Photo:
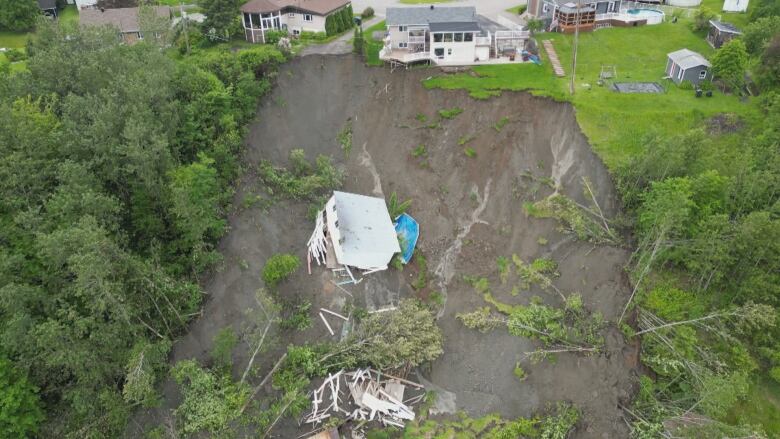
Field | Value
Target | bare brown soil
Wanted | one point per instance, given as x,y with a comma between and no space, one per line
470,212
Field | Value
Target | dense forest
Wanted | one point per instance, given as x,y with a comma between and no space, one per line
705,208
118,162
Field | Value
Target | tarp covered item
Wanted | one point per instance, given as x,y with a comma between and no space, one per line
408,231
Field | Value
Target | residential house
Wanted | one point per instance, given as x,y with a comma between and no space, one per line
294,16
353,231
545,10
123,19
444,35
687,65
48,7
720,33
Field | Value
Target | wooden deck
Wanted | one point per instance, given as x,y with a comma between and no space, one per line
556,63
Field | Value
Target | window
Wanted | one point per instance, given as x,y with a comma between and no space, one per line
544,8
437,38
401,28
449,51
307,17
403,45
296,32
140,36
291,15
336,224
246,20
458,37
448,38
468,37
702,74
439,53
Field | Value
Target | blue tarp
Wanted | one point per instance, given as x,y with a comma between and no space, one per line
408,230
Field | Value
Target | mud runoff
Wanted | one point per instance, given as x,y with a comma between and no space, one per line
469,207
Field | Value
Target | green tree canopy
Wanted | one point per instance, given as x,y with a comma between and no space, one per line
729,64
20,411
18,15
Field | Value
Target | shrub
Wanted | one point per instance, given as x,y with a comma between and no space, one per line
279,267
15,55
224,342
273,36
685,85
450,113
367,13
701,21
775,373
470,152
520,373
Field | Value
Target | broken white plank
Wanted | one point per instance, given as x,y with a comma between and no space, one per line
411,383
327,325
335,314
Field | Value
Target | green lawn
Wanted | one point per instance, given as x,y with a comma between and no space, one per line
519,9
738,19
761,407
69,15
613,122
373,46
13,39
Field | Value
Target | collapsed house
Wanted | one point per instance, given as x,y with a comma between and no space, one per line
369,395
353,232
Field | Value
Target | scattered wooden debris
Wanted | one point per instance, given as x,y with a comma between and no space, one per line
334,314
327,325
370,396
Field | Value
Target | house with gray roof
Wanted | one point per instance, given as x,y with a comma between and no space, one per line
446,35
721,33
687,65
125,20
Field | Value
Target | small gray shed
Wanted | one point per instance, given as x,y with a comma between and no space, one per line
687,65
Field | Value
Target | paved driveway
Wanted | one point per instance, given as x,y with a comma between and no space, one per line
340,45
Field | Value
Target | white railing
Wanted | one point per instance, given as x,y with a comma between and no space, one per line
610,16
416,39
405,57
513,34
483,41
416,56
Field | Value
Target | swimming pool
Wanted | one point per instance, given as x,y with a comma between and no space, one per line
652,16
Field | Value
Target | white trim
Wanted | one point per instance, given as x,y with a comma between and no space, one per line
310,17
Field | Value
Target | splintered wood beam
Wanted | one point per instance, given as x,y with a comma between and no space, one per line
327,325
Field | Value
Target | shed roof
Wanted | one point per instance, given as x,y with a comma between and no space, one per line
458,26
687,59
319,7
725,27
368,238
433,14
47,4
126,19
735,5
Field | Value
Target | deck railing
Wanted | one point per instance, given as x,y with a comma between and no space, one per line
512,35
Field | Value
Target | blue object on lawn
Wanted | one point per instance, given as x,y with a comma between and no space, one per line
408,231
535,59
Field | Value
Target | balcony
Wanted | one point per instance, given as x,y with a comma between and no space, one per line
415,39
403,56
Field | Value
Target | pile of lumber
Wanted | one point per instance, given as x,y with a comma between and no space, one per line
369,395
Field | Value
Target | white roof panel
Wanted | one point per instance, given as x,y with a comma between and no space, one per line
367,236
735,5
687,58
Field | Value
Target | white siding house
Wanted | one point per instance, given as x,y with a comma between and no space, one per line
445,36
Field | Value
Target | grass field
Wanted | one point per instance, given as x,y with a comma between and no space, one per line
14,40
761,407
738,19
373,46
614,123
517,9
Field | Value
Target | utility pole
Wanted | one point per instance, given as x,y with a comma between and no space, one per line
184,23
577,18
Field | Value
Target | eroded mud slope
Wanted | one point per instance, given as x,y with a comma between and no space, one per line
469,207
